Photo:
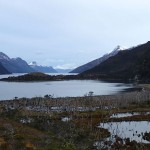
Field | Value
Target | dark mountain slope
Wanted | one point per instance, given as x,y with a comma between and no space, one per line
96,62
3,70
15,65
21,66
125,65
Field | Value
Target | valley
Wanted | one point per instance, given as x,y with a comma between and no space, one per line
74,75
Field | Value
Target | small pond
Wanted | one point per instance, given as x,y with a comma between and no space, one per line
134,130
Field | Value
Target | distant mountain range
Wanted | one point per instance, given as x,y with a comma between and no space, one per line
14,65
96,62
125,65
44,69
120,64
18,65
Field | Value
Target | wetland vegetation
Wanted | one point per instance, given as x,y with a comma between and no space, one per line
76,123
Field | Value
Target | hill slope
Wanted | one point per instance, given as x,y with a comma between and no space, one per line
3,70
125,65
96,62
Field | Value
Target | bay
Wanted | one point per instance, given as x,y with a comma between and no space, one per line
70,88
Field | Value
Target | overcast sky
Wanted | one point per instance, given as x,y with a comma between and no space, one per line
69,33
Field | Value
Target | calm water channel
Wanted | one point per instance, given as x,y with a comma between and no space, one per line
9,90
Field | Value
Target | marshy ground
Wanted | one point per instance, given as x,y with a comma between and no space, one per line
75,123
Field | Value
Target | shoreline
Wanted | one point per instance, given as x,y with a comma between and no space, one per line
125,91
139,87
129,90
88,103
145,86
134,89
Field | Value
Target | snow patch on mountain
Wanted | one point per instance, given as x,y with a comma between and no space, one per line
118,48
39,68
96,62
4,56
33,63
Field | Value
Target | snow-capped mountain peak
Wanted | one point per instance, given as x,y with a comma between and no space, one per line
116,50
120,48
4,56
39,68
33,63
96,62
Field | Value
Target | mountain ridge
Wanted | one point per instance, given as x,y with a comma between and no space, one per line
44,69
125,65
96,62
15,65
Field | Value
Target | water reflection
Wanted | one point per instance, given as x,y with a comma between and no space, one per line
134,130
